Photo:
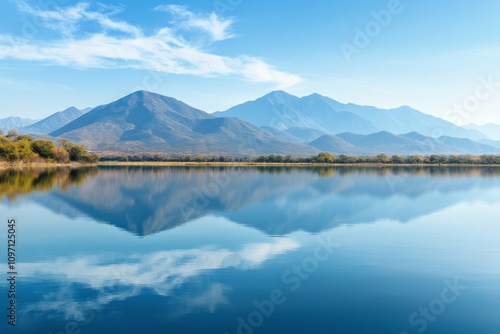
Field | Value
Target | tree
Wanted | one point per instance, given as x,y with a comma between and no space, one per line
59,154
12,134
43,148
23,149
382,158
324,157
396,159
24,137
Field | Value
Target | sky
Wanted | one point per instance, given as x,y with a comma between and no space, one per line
440,57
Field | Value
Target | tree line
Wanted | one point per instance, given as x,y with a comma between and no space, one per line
323,158
24,148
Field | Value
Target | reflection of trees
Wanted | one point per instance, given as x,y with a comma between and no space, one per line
14,182
421,170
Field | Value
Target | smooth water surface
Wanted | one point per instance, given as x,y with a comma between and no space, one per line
254,250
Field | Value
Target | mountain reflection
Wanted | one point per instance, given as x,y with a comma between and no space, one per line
147,200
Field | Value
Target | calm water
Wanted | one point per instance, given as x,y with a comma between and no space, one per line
246,250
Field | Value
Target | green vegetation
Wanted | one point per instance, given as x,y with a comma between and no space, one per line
15,148
321,158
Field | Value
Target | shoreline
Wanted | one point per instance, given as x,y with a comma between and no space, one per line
4,165
284,164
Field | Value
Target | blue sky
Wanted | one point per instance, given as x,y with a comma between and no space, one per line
440,57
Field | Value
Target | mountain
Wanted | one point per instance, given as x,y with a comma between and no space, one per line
14,123
467,146
283,111
490,142
54,121
306,134
383,142
405,119
148,122
491,130
336,145
414,143
282,134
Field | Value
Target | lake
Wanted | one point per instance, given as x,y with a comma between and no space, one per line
253,250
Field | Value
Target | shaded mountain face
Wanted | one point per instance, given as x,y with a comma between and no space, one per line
12,122
148,122
54,121
284,111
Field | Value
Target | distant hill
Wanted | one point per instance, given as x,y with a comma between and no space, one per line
283,111
148,122
491,130
306,134
54,121
13,122
414,143
337,145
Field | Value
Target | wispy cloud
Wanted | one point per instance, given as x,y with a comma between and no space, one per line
181,47
161,272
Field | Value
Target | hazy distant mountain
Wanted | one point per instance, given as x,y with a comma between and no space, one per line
467,146
148,122
14,123
414,143
283,111
337,145
490,142
491,130
282,134
54,121
405,119
306,134
382,142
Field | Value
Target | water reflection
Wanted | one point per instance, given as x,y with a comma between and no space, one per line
116,278
196,247
147,200
15,182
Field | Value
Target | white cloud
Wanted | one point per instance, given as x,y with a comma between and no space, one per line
162,272
180,48
217,28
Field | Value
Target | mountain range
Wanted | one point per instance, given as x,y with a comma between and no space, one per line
54,121
277,123
491,130
13,122
283,111
145,121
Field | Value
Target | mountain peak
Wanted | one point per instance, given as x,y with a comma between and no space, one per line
280,96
